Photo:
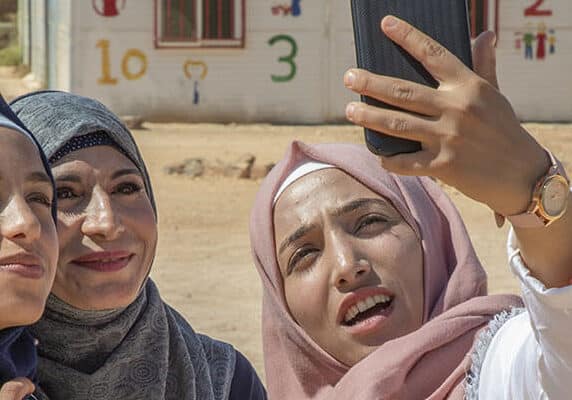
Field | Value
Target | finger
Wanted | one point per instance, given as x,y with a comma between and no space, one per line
395,123
417,164
16,389
484,57
400,93
436,59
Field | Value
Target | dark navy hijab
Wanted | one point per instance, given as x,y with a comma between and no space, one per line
17,348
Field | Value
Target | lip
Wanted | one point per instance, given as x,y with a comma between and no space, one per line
358,295
104,261
24,264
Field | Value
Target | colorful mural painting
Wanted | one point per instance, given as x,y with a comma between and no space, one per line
108,8
294,9
536,41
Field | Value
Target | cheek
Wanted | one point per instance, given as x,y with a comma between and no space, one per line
140,220
307,298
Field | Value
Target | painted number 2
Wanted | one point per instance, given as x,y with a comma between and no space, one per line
289,59
535,11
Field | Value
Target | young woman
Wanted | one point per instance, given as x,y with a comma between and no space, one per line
372,289
106,332
28,249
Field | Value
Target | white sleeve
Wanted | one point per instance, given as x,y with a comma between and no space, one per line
530,357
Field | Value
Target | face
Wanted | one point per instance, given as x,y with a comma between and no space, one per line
28,241
352,267
106,226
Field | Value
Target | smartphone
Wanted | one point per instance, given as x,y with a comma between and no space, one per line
446,21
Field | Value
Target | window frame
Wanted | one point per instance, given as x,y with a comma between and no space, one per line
198,41
488,6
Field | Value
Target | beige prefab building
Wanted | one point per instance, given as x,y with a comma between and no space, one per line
263,60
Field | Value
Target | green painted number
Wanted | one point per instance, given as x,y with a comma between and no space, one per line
289,59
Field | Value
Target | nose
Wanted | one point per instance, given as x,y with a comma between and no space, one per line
349,268
18,221
101,221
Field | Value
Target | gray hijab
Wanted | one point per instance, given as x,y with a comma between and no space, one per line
144,351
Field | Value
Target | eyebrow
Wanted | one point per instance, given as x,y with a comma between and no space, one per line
125,171
68,178
38,176
345,209
301,231
359,203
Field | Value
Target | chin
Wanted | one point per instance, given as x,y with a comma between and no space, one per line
101,297
29,310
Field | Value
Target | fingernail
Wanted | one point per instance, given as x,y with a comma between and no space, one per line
493,40
350,109
389,22
349,79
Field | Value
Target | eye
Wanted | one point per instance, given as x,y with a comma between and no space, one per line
370,222
301,259
65,193
127,188
40,198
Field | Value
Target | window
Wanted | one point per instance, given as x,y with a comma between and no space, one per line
199,23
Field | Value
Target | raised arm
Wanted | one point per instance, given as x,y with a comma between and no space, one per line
471,139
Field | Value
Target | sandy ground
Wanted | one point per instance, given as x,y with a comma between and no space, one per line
203,266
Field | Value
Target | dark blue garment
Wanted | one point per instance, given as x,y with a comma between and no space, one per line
17,354
245,383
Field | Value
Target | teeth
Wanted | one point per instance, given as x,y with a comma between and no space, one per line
365,305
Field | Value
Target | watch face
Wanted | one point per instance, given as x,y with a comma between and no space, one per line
555,196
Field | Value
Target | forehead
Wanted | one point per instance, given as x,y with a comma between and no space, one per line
321,191
103,159
18,151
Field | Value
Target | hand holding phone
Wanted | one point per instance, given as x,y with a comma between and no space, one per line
446,21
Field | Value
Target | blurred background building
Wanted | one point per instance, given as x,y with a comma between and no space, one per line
263,60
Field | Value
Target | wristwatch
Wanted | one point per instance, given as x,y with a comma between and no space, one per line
549,198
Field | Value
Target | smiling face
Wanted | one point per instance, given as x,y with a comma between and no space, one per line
352,267
28,239
106,226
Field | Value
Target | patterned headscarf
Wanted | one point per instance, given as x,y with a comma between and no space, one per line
144,351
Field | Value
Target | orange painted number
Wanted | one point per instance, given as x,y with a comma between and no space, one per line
105,78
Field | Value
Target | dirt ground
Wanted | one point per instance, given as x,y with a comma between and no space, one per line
203,266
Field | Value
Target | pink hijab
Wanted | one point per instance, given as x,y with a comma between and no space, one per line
428,363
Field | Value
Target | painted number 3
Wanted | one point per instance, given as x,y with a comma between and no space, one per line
289,59
535,11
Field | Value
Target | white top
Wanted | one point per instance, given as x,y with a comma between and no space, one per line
530,357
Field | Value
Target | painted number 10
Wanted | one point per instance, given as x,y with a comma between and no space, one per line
535,11
129,71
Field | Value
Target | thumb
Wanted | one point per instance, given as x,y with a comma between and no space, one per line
484,57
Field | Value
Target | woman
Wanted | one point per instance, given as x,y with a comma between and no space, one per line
28,249
106,333
372,289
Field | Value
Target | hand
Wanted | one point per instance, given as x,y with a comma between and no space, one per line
470,136
16,389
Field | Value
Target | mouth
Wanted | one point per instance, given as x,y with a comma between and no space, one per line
24,264
365,309
108,261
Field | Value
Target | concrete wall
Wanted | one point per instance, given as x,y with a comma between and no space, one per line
238,83
114,58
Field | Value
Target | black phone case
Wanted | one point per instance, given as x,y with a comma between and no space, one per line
446,21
